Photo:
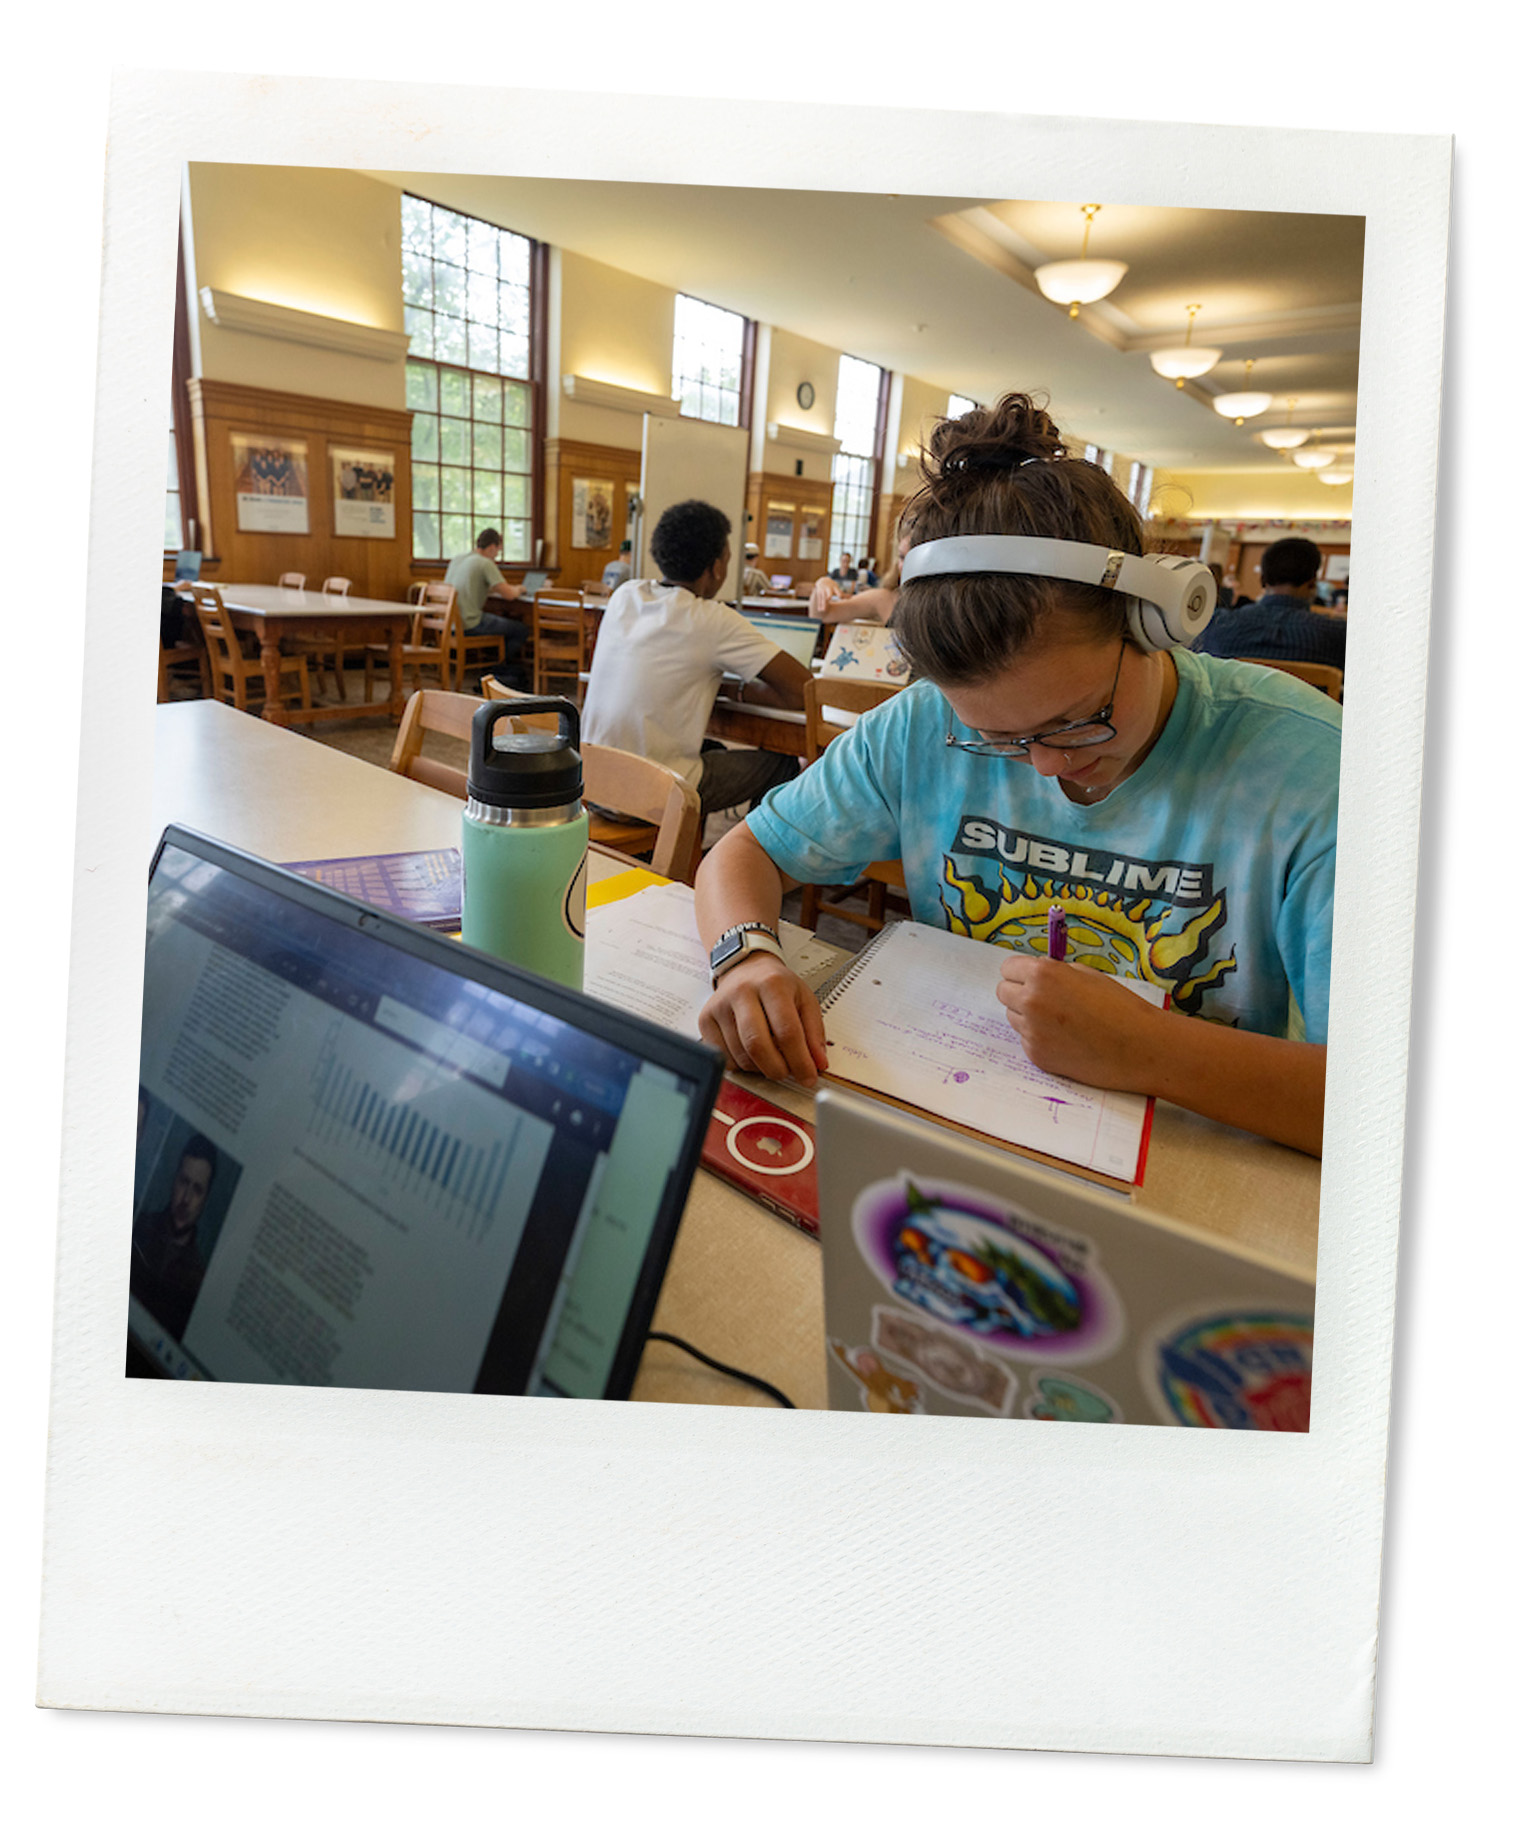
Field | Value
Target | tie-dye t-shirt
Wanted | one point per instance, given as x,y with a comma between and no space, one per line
1209,870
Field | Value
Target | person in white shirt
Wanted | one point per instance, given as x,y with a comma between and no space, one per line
754,582
660,655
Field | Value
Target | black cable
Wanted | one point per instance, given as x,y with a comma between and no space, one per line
756,1382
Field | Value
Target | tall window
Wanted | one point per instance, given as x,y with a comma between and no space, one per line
173,519
709,348
959,403
1140,487
469,380
860,398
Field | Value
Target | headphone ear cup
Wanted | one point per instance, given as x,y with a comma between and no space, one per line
1146,625
1187,619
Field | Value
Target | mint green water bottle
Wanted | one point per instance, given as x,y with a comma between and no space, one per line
525,834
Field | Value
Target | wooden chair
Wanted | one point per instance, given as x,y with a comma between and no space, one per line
879,878
637,806
324,650
175,661
414,592
426,644
560,645
230,668
1324,678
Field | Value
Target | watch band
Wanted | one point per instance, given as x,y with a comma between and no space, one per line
740,941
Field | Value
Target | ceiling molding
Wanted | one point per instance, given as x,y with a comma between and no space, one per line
964,231
257,317
584,390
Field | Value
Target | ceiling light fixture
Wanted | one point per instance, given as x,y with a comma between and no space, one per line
1184,363
1316,457
1238,406
1335,477
1285,436
1081,281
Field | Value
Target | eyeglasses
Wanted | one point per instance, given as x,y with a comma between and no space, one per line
1089,732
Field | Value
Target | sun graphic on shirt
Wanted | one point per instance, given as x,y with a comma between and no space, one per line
1122,935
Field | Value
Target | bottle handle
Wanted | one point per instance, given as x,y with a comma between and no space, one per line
488,714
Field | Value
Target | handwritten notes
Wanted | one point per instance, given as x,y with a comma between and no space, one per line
917,1019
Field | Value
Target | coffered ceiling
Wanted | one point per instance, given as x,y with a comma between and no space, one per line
942,288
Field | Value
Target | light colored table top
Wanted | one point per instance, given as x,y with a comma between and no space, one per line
304,605
742,1284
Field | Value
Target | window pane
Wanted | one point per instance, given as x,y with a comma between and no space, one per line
457,534
426,536
173,533
418,326
455,393
451,288
417,271
421,388
416,225
486,496
516,498
483,346
455,491
517,451
455,440
487,446
482,241
487,398
515,355
450,236
483,299
516,534
518,405
452,339
424,437
426,486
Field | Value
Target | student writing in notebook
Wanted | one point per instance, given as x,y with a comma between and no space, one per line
1063,744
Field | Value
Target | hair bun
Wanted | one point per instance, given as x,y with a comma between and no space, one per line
1014,431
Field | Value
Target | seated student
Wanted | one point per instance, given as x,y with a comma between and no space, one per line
619,569
754,582
477,578
660,655
1183,811
1281,624
876,603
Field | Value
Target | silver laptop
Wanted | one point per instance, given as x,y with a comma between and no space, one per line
799,635
959,1280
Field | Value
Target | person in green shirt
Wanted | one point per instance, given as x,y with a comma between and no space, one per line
477,578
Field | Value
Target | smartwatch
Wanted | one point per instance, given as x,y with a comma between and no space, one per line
738,942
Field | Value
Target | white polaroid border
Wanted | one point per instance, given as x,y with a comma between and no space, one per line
302,1553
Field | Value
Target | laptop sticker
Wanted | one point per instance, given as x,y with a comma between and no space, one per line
1016,1283
1069,1398
949,1363
881,1390
1244,1368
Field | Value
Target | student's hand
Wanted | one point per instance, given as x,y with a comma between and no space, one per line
766,1020
822,592
1079,1023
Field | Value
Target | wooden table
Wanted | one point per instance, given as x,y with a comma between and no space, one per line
272,612
779,731
742,1284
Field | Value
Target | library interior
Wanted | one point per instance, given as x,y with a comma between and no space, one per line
864,1000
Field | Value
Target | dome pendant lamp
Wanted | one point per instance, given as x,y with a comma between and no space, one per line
1184,363
1239,406
1081,281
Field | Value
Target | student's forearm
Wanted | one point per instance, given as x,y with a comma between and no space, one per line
1271,1087
737,882
769,697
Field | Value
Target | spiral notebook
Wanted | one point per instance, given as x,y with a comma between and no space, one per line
913,1020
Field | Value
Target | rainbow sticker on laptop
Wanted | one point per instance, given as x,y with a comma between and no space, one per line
1242,1368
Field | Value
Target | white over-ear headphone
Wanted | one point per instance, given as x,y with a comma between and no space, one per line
1174,597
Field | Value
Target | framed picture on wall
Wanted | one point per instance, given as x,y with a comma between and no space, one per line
271,476
594,505
812,534
778,531
363,493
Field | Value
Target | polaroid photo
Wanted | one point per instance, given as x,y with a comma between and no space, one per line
417,1554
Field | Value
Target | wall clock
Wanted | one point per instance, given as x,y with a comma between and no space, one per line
805,395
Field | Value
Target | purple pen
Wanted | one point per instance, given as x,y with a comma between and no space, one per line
1058,936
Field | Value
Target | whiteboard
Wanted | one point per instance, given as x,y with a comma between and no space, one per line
686,459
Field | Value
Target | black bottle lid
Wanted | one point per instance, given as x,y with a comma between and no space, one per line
532,770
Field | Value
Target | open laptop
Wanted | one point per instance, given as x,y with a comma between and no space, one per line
187,567
369,1156
799,635
959,1280
533,581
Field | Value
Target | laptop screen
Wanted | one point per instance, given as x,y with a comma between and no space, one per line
797,634
367,1157
533,581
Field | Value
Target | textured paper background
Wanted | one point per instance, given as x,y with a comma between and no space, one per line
830,1634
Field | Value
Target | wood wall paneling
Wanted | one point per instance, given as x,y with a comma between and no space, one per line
564,459
380,568
799,492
